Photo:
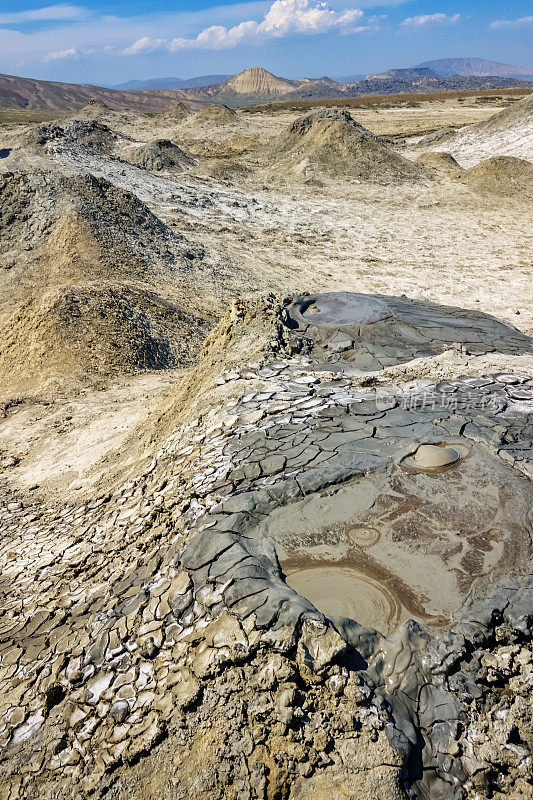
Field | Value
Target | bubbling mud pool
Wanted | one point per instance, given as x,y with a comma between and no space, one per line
410,544
338,308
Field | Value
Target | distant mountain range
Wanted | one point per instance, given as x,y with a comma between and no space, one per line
256,85
36,95
443,67
446,67
350,78
173,83
250,86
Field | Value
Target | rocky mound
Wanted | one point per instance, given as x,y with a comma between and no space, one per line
177,113
441,163
87,133
89,331
94,109
110,228
503,176
330,142
126,121
214,114
98,286
162,156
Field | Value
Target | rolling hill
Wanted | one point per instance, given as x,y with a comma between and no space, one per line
256,85
37,95
249,87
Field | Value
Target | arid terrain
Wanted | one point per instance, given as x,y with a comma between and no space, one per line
229,568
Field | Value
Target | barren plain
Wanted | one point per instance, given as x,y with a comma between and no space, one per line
230,569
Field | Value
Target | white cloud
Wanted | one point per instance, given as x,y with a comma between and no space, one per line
145,45
46,14
61,54
301,16
431,19
283,18
512,23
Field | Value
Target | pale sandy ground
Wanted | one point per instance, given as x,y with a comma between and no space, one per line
436,240
59,441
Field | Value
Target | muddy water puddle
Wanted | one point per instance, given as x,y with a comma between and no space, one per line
407,545
345,591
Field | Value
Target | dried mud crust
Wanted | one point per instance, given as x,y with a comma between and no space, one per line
372,332
151,645
150,641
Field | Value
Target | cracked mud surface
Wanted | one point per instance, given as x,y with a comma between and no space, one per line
126,617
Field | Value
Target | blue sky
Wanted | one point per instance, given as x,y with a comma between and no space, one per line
111,41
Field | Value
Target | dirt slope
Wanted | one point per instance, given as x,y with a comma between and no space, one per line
39,95
101,286
508,133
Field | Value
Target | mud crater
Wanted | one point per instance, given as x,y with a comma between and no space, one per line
414,544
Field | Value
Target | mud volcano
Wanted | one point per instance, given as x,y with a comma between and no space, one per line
365,333
328,142
161,156
402,519
382,508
